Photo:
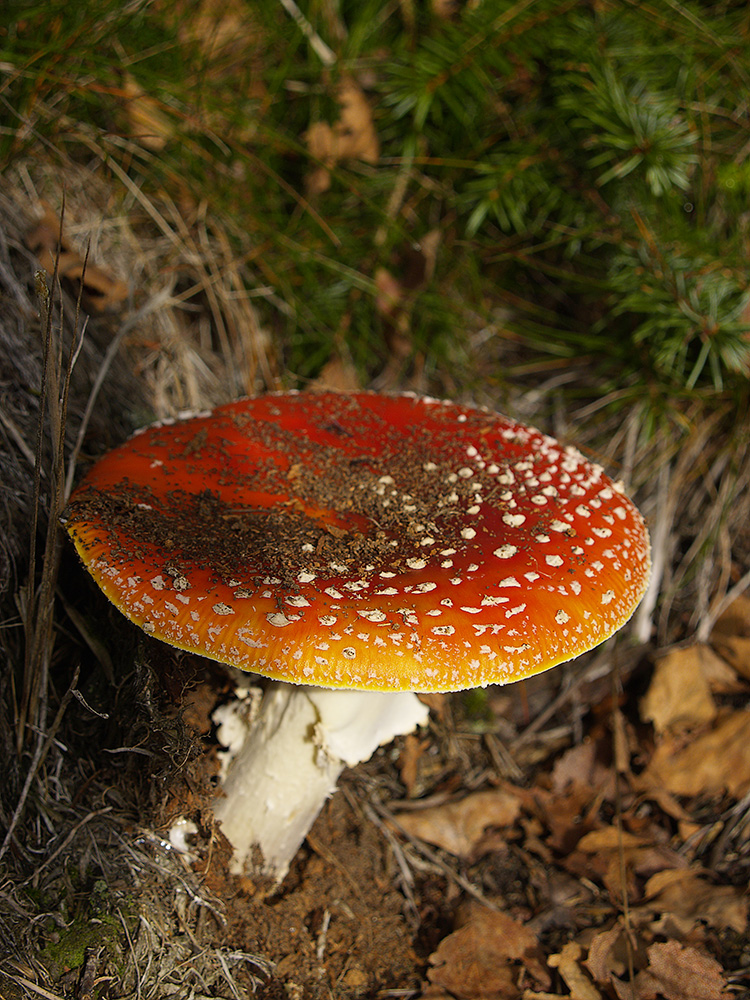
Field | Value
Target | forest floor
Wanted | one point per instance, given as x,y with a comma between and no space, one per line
584,834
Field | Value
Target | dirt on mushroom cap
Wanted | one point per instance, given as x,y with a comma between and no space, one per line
392,543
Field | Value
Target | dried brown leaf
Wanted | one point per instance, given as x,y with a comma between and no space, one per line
487,957
607,955
338,374
579,766
690,897
149,126
352,137
735,650
568,964
679,694
101,292
607,852
682,973
408,761
713,763
735,619
458,827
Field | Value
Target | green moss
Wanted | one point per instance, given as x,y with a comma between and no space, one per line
69,949
477,711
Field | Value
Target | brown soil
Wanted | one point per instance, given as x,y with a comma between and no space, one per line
337,924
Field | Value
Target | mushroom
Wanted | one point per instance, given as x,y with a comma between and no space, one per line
356,549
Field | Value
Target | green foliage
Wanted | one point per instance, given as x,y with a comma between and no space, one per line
585,164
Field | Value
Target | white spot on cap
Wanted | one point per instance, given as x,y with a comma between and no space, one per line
373,615
443,630
506,551
297,601
608,597
223,609
278,619
158,583
305,577
561,617
349,652
559,526
424,588
416,563
327,619
553,560
514,520
468,533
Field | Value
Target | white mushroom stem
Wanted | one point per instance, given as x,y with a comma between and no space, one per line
291,758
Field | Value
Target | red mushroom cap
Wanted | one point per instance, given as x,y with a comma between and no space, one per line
364,541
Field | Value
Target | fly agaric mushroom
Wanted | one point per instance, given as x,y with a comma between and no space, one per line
383,545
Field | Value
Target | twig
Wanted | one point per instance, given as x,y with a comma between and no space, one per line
326,55
407,879
622,866
597,668
434,858
154,303
68,840
709,620
228,975
28,985
18,439
39,604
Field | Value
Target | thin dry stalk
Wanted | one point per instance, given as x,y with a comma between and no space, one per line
38,603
